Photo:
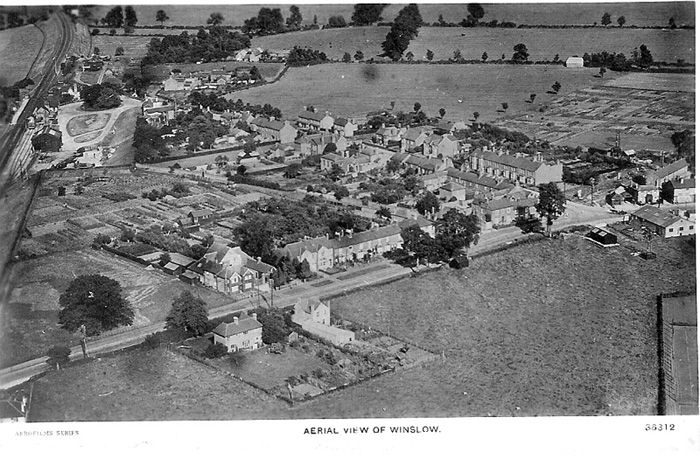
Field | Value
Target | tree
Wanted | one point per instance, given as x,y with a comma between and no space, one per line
119,51
221,161
127,234
189,314
556,86
161,16
130,19
457,55
359,55
551,204
520,54
58,355
346,57
215,19
667,192
409,56
456,232
442,112
215,351
164,259
484,57
416,107
337,22
335,172
475,10
602,71
504,105
556,58
383,212
367,13
96,51
403,30
532,97
605,20
292,170
645,59
672,23
684,141
294,19
476,116
621,21
114,18
94,301
429,55
240,170
428,204
419,243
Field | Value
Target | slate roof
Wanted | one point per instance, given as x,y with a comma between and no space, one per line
670,169
484,181
430,164
231,329
307,115
309,305
451,186
264,122
509,160
656,216
200,213
181,259
413,133
258,266
685,183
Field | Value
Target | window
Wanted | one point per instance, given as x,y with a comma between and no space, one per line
690,227
670,230
680,229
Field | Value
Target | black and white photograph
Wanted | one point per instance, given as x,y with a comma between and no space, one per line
365,228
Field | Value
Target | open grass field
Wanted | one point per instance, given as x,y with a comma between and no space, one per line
653,14
147,386
18,49
353,90
79,125
542,44
29,325
135,47
561,327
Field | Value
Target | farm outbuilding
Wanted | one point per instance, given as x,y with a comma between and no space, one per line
602,237
49,139
574,62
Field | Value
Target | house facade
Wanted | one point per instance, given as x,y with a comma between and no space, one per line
315,121
274,131
674,171
244,333
441,146
229,270
662,222
518,169
683,190
314,317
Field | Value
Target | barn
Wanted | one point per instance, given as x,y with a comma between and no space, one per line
574,62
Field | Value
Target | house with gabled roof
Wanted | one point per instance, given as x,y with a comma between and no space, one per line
315,121
413,138
387,134
683,190
662,222
315,317
344,127
274,130
441,146
244,333
48,139
516,168
482,183
674,171
230,270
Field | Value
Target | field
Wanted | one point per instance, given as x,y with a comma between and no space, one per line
18,48
653,14
536,330
134,386
542,44
353,90
38,284
135,47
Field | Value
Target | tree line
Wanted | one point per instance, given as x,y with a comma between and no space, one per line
216,43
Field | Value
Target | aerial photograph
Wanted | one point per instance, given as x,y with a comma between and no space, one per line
347,211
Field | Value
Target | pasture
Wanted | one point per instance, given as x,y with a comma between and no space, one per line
353,90
135,47
640,14
87,123
18,49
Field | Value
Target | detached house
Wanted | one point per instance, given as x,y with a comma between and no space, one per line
315,317
414,138
244,333
344,127
441,146
387,134
230,270
674,171
683,190
662,222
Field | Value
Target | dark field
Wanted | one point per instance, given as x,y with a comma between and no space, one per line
560,327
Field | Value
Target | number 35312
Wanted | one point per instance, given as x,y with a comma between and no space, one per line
659,427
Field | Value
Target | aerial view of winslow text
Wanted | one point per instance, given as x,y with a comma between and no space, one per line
347,211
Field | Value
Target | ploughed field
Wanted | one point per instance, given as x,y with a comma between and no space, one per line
558,327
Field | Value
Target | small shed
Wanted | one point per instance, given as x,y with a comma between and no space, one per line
602,237
574,62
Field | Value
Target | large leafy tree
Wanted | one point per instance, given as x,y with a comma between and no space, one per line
456,232
269,21
114,18
162,16
215,19
606,20
188,313
551,204
684,141
367,13
521,54
428,203
475,10
95,301
130,19
403,30
294,19
420,245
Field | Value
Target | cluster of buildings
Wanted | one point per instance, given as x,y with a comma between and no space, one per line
211,80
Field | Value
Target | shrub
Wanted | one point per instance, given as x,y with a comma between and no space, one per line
95,31
214,351
151,342
58,355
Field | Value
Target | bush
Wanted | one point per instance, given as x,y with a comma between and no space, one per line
58,355
95,32
151,342
214,351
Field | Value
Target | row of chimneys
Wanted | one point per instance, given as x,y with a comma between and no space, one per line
253,315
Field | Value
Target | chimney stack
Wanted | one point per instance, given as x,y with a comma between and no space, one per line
235,321
255,316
